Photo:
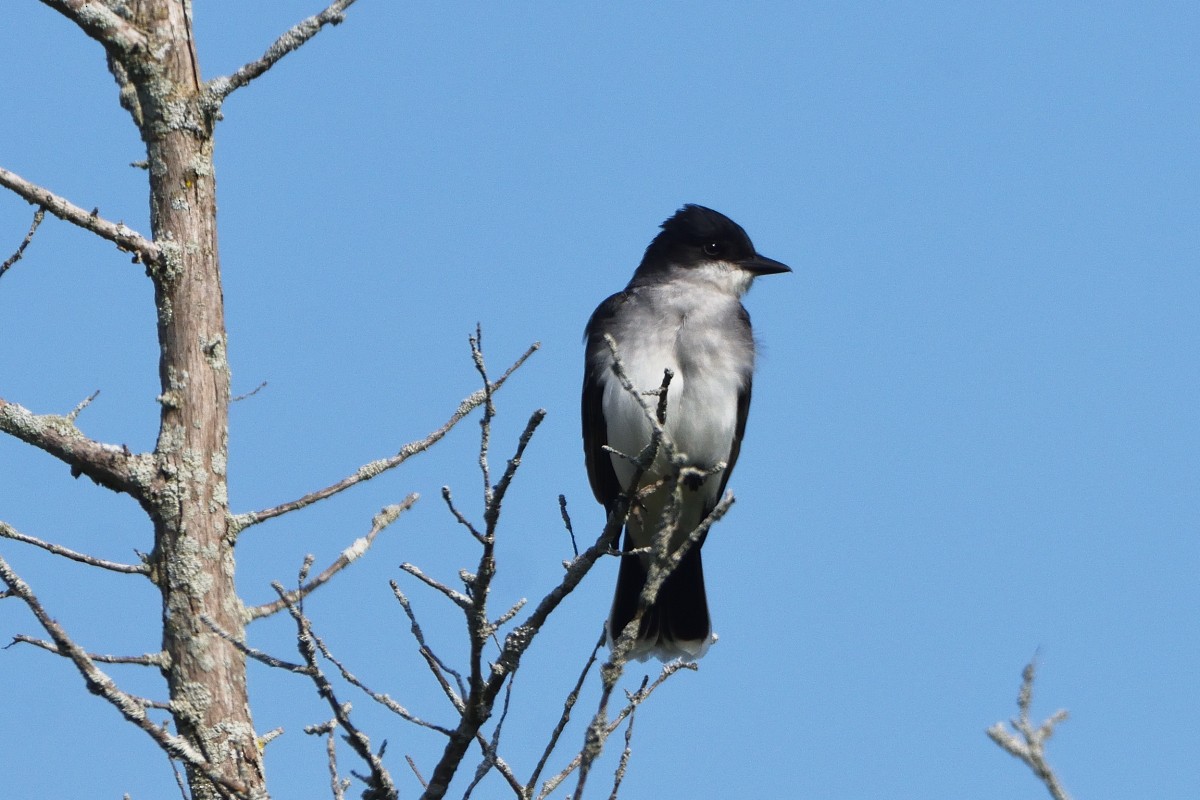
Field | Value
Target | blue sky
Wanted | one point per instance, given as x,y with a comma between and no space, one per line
974,432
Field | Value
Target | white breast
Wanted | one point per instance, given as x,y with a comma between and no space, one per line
696,331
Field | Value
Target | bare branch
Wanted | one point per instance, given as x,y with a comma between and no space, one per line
565,717
102,23
360,546
641,696
258,655
380,783
492,513
158,659
219,88
562,507
420,778
438,667
118,233
383,699
8,532
458,598
84,403
250,393
107,464
98,683
38,216
623,763
1028,743
458,515
376,468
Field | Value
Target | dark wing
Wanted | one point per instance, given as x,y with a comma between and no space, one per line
603,478
743,411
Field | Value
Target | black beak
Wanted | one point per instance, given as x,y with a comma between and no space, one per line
761,265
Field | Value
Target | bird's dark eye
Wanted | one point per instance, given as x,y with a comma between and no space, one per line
712,248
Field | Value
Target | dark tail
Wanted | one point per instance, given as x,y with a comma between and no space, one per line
677,625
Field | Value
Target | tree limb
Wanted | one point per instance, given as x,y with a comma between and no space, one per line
218,89
107,464
1028,743
242,521
9,532
360,546
158,659
118,233
103,24
98,683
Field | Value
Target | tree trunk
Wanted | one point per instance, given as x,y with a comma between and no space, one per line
193,561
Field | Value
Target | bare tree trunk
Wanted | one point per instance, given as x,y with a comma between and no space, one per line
193,561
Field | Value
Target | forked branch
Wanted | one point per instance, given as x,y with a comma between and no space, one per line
1027,742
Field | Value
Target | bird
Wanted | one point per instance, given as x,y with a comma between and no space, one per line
681,311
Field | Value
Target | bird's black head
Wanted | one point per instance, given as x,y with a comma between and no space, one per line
696,236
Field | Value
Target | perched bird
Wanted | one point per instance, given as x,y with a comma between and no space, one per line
681,311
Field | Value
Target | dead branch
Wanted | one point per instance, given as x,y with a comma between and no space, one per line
218,89
436,666
38,216
131,708
158,659
1027,742
565,717
360,546
8,532
242,521
109,465
99,21
337,784
124,237
639,697
379,783
383,699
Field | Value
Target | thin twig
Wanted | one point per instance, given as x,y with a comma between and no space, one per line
562,507
376,468
337,784
459,516
383,699
420,778
438,667
637,699
489,411
99,683
1028,743
159,659
492,513
360,546
458,598
250,393
8,532
250,652
118,233
74,413
379,783
38,216
623,762
220,88
565,717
